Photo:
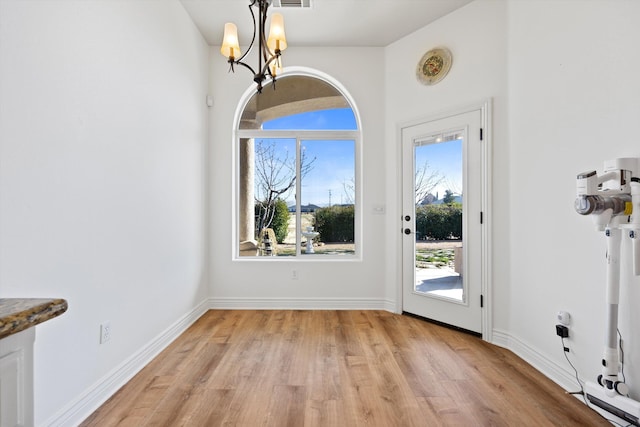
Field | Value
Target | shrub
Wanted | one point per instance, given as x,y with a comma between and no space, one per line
335,223
439,222
280,221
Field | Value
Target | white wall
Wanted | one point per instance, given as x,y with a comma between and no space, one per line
102,138
564,81
320,284
102,182
476,36
573,102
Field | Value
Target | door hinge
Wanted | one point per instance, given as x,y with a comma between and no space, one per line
481,218
481,301
481,134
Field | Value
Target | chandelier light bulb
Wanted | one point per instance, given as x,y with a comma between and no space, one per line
276,67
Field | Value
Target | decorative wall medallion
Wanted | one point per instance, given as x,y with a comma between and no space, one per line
433,66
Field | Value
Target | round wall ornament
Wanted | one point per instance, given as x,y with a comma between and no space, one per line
433,66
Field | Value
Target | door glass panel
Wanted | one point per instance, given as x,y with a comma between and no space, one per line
438,216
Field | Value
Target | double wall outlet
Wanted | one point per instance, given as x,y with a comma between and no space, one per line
105,332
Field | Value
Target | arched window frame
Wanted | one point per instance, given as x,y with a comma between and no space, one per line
355,135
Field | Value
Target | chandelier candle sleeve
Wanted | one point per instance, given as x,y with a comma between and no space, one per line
277,39
230,46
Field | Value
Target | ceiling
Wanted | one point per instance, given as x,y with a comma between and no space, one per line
327,22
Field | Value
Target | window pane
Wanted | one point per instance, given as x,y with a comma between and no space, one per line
327,197
267,183
333,119
293,94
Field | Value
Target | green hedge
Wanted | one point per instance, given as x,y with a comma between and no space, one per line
335,223
280,222
439,222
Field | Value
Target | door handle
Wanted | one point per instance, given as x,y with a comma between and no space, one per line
407,231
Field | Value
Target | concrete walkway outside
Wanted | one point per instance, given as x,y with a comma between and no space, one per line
439,281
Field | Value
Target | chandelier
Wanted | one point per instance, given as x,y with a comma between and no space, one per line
269,49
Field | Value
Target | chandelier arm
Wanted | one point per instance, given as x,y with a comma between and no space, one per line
253,38
262,43
244,65
266,51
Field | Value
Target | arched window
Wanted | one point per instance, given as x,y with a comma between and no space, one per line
297,171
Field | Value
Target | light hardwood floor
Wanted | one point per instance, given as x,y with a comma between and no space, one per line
336,368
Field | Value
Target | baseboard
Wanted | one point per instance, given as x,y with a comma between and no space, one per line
79,409
391,306
301,304
557,373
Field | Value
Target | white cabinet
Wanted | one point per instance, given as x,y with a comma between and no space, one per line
16,379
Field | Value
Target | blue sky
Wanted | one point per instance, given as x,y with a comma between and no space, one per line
333,119
444,158
334,163
334,166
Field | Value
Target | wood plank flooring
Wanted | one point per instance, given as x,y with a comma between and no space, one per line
336,368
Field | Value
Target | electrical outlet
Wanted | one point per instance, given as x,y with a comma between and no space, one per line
105,332
564,318
294,274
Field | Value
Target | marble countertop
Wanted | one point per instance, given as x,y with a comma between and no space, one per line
18,314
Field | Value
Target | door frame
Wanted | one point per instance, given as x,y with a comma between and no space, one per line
486,278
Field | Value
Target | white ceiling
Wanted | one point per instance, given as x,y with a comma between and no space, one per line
327,22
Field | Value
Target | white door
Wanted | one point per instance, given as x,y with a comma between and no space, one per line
442,220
